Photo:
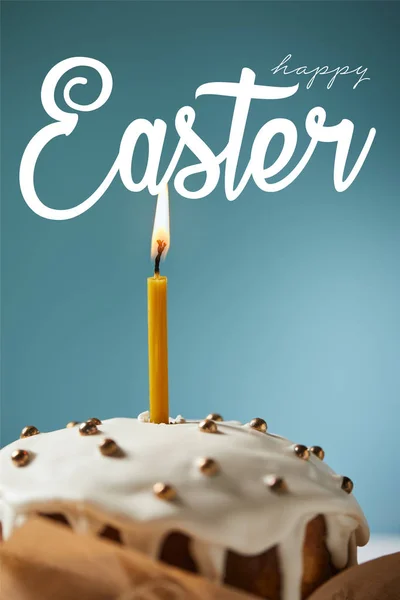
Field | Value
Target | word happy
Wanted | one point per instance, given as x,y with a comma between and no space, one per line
325,70
208,163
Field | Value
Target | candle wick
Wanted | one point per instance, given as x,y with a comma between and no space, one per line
161,247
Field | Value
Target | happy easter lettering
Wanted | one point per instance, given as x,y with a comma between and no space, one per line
208,163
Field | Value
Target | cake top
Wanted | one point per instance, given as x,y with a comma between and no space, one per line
232,485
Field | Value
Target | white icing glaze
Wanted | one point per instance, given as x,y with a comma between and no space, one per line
232,510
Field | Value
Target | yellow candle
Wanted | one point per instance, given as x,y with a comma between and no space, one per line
157,316
158,348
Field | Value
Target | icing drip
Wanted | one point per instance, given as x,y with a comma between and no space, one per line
291,560
8,521
84,524
218,558
80,524
339,530
352,550
20,520
210,559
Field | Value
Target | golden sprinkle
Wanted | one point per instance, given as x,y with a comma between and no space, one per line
317,450
20,458
72,424
276,484
214,417
302,451
88,428
347,485
109,448
94,420
208,466
164,491
29,431
258,424
208,426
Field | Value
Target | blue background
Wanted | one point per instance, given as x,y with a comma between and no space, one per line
284,306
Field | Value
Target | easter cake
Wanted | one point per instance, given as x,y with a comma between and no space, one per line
229,501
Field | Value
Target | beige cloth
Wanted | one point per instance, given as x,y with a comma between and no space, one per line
46,561
375,580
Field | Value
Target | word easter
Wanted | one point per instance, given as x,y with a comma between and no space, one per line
208,163
321,71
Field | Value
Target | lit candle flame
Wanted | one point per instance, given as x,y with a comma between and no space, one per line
161,225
